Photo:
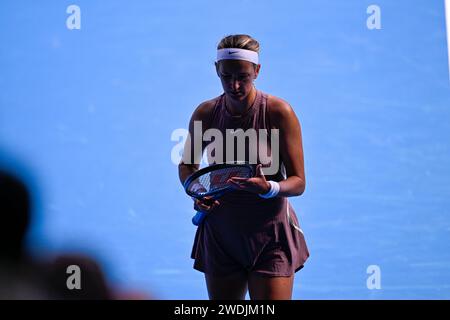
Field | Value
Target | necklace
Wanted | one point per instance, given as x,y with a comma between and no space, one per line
243,113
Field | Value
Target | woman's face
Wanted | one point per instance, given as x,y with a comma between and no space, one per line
237,77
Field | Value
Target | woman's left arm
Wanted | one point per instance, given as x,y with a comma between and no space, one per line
291,152
291,147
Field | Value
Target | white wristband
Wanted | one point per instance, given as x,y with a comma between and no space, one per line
273,192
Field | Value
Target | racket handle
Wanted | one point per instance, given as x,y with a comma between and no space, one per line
198,218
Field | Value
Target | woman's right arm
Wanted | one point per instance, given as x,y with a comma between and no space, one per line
192,156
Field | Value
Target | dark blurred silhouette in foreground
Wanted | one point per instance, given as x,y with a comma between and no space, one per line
24,277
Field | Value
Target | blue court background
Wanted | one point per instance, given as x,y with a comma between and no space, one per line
90,114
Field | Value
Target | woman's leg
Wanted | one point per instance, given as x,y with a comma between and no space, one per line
262,287
232,287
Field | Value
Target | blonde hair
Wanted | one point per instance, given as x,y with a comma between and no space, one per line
239,41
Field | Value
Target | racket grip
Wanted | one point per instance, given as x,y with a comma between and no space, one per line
198,218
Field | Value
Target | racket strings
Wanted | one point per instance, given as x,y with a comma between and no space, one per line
216,180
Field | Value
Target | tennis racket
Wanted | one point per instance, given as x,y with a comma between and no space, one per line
211,182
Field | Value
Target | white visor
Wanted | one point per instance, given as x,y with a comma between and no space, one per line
237,54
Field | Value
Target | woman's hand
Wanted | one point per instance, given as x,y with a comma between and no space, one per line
257,184
205,205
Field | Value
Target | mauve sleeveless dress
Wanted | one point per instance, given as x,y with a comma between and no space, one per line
246,232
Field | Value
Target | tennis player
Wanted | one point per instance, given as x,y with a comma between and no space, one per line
251,239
